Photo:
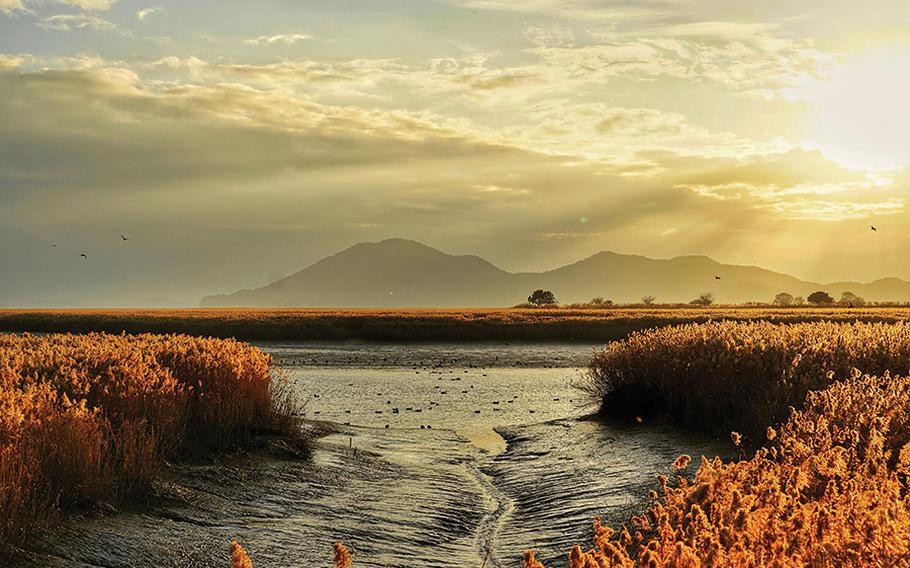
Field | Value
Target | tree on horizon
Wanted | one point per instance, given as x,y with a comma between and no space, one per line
542,298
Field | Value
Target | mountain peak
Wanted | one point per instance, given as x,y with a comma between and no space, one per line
398,272
393,244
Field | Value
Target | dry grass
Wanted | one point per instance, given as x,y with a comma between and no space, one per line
239,557
91,418
564,324
829,490
727,376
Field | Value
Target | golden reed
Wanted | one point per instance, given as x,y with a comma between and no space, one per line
741,376
85,418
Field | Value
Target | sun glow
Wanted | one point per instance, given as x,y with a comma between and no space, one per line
858,117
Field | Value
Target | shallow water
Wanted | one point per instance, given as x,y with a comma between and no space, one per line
505,461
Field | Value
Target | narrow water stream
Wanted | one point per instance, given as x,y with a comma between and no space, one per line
442,456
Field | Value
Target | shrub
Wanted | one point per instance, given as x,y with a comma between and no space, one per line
705,299
783,299
852,299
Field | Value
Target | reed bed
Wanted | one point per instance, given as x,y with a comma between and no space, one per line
91,418
741,376
553,324
830,489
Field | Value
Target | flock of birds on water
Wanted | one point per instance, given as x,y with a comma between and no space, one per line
438,368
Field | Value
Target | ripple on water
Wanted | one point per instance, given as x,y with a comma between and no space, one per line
563,473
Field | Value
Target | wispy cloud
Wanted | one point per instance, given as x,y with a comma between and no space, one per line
741,58
12,7
549,36
287,39
9,61
589,10
69,22
91,5
145,13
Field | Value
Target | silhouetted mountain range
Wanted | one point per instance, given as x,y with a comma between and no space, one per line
402,273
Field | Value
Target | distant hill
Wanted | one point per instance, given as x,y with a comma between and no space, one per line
399,273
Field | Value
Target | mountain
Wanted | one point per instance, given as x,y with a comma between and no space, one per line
401,273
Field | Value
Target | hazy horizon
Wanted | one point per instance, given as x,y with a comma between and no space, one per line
234,142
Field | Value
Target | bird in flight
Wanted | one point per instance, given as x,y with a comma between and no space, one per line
717,277
873,228
124,238
84,257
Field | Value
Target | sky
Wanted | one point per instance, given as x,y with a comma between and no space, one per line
235,142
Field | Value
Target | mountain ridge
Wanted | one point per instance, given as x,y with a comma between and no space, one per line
406,273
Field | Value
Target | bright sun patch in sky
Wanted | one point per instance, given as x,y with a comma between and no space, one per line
860,116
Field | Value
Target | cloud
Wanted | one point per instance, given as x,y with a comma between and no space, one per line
146,12
69,22
286,39
588,10
556,127
91,5
12,7
759,63
717,30
797,184
9,61
548,36
625,136
198,129
281,74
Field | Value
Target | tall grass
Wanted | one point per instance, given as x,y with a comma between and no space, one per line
830,489
91,418
741,376
240,559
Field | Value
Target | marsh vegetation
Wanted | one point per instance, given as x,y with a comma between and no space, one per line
90,419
